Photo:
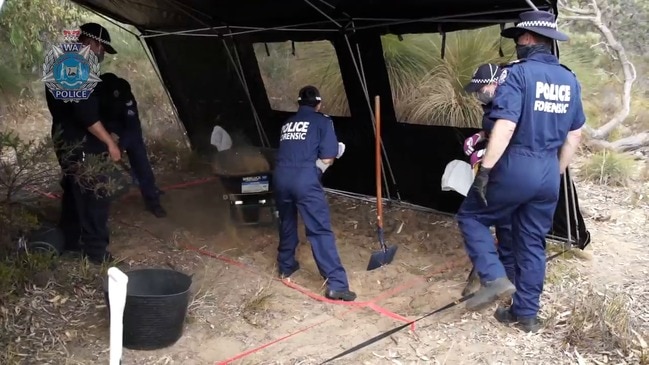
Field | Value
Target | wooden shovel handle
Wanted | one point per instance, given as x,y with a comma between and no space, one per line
377,152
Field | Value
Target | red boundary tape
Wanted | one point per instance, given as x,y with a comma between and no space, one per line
354,306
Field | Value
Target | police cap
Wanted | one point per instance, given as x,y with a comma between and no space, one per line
309,95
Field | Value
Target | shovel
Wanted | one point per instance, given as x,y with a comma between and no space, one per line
386,254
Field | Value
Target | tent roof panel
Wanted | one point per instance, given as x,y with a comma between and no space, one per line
384,16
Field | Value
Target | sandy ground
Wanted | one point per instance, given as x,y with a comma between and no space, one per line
235,308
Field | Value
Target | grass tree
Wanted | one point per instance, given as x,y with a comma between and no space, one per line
426,88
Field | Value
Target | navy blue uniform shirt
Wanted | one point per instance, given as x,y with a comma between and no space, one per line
74,119
305,137
119,111
487,122
543,98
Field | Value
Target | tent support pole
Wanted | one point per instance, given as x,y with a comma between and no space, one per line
363,81
565,192
361,76
239,69
575,213
179,123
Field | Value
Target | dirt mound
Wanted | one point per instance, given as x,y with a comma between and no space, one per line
240,161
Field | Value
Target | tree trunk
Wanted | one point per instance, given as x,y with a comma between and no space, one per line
595,16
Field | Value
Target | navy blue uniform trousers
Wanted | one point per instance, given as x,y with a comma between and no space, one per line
84,214
141,169
506,249
524,187
298,189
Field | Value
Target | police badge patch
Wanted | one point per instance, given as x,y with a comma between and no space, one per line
71,70
503,77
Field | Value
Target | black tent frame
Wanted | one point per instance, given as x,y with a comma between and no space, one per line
354,28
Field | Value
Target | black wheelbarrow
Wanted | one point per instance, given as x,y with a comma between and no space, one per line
247,188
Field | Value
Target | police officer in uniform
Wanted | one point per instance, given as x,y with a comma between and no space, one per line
119,111
307,147
77,132
539,115
483,85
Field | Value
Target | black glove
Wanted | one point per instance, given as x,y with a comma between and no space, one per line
480,183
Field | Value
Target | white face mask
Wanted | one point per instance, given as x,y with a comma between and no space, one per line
485,96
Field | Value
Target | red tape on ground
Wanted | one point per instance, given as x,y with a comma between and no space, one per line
302,290
371,304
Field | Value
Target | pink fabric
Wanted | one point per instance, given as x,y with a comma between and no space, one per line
471,142
476,157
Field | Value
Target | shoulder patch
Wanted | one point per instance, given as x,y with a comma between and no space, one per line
515,62
503,77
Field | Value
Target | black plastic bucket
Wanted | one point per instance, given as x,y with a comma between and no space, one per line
156,307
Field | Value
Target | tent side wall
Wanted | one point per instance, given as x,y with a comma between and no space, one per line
207,91
201,76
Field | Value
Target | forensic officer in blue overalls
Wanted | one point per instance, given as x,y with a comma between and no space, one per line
307,147
539,115
120,113
483,85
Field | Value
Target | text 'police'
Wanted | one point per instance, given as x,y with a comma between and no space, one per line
294,131
556,98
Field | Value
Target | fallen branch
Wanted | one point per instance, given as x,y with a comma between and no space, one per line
628,144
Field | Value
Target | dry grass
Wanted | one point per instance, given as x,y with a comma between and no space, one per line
609,168
39,324
600,326
205,302
256,305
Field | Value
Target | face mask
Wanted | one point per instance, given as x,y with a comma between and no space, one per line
100,57
485,97
524,51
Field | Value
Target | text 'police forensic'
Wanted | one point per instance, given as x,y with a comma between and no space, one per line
552,98
294,131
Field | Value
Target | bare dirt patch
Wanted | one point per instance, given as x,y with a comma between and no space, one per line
240,307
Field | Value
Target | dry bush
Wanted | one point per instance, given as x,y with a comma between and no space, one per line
609,168
605,322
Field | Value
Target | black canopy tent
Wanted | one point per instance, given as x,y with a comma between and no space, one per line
204,53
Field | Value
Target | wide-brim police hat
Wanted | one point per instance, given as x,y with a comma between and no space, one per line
98,33
539,22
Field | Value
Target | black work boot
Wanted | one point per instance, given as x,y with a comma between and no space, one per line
286,275
344,295
473,283
489,292
504,315
157,210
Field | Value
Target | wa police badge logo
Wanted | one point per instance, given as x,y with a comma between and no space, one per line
71,70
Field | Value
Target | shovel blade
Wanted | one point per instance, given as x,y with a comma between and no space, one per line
381,257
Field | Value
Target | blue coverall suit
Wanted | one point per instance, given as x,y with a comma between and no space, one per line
123,119
543,98
503,228
305,137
